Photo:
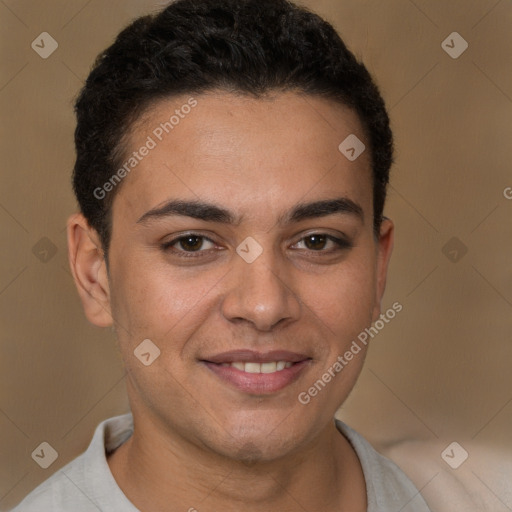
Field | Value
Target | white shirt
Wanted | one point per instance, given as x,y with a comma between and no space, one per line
87,485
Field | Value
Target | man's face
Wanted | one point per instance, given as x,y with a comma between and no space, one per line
301,302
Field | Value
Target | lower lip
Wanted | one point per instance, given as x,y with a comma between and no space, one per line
258,383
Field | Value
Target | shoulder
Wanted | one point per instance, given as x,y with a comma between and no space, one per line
58,493
387,486
86,483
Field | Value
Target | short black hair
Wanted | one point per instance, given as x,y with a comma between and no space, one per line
251,47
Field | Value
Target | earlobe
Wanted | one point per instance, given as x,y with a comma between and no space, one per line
89,270
384,250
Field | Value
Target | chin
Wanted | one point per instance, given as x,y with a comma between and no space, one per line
255,452
252,445
251,453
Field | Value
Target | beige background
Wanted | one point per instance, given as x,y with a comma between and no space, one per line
439,372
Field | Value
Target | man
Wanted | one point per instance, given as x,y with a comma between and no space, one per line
232,163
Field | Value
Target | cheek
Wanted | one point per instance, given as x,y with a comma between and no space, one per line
157,302
343,298
161,303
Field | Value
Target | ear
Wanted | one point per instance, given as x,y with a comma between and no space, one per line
384,250
88,266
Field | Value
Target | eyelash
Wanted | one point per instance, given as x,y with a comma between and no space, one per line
167,246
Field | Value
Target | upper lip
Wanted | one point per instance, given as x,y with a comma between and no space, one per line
252,356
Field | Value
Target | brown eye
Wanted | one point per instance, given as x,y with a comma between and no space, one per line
188,244
191,243
315,242
323,243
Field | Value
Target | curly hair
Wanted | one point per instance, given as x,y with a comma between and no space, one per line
248,47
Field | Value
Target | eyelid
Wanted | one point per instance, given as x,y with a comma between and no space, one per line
175,240
341,242
337,235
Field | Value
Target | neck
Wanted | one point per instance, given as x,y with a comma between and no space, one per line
161,474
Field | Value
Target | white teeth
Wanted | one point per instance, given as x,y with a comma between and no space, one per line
268,367
252,368
272,367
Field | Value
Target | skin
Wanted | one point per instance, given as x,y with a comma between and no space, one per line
198,441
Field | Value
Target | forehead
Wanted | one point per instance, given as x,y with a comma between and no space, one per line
246,153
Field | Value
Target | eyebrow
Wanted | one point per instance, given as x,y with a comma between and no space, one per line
209,212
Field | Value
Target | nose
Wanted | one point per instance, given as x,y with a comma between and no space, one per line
259,294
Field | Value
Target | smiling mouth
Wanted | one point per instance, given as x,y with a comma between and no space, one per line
271,367
258,373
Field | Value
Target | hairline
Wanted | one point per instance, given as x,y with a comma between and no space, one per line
140,114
